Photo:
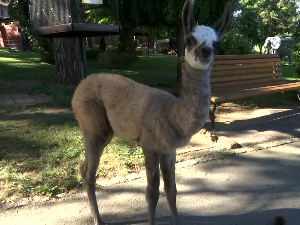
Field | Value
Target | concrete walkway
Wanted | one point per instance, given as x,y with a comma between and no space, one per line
23,99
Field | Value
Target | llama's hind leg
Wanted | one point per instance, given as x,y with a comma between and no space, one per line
97,133
152,191
167,166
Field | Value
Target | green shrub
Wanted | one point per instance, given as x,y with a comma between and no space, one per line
139,52
92,53
111,48
115,60
296,57
235,44
285,50
44,47
164,51
102,44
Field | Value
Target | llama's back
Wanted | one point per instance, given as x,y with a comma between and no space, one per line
126,102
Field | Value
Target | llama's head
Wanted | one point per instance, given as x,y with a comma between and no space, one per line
202,41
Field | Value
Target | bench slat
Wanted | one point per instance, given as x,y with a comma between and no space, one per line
244,82
248,56
254,92
245,61
241,72
245,86
244,66
244,77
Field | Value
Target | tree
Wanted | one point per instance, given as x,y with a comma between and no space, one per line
63,51
157,14
67,54
260,19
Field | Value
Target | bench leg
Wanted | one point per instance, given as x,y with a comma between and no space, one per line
212,115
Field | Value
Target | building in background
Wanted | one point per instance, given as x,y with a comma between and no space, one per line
9,31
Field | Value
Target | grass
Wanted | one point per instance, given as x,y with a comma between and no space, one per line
23,72
42,148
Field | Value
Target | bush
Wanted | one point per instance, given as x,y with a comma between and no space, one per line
44,47
285,50
139,52
164,51
235,44
92,54
102,44
115,60
296,57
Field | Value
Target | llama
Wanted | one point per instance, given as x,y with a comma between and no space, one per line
271,43
110,104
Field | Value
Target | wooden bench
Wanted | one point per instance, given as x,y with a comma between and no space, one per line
241,76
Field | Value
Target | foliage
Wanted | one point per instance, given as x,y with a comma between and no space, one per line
235,44
45,48
286,50
296,56
116,60
260,19
139,52
92,53
164,51
19,11
102,44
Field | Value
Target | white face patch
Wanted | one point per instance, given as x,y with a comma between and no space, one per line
202,34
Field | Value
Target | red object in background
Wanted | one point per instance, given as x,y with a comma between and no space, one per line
10,36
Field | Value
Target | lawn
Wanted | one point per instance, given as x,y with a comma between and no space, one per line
41,147
23,72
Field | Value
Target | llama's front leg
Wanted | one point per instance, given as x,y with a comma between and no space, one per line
167,166
152,191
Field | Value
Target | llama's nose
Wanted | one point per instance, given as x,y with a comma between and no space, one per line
206,52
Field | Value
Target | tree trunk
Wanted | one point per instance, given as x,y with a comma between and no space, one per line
260,48
180,51
129,40
67,52
67,60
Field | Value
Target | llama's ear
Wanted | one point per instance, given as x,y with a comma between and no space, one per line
224,21
188,16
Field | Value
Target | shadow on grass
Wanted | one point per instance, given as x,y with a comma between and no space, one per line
44,119
19,149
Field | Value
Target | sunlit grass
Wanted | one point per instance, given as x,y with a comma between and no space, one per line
41,151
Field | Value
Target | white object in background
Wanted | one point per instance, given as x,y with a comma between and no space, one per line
92,1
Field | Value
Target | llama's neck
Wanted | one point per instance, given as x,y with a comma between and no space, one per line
192,107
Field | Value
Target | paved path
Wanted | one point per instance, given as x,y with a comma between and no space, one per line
23,99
